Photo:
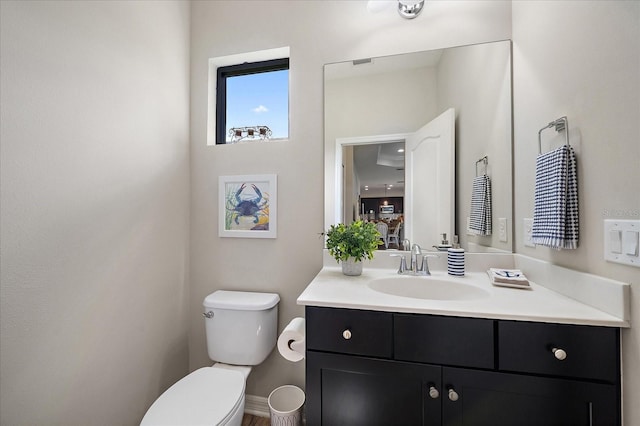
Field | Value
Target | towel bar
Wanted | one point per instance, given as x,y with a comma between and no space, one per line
560,124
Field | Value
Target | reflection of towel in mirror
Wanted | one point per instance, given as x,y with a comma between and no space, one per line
480,218
555,215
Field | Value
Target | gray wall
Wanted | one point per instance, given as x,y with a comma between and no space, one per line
573,58
94,219
317,32
94,175
582,60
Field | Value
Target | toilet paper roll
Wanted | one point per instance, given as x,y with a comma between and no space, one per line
291,342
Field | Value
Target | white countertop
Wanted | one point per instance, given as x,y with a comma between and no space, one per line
330,288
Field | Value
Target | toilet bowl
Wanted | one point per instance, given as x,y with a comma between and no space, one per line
208,396
241,331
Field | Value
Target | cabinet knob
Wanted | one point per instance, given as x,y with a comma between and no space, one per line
560,354
453,395
433,392
346,334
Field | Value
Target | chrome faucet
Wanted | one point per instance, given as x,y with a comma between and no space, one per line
418,265
416,252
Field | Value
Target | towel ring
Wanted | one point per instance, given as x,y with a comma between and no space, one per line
484,160
560,124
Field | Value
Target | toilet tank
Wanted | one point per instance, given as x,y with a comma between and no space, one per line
241,327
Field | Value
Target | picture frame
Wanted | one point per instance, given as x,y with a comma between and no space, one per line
248,206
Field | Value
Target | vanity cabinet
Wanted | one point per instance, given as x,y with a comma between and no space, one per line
381,368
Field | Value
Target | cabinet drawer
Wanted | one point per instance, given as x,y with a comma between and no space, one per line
588,352
349,331
465,342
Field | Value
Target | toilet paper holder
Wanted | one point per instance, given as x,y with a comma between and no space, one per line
291,342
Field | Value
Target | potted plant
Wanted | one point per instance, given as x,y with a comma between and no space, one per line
351,244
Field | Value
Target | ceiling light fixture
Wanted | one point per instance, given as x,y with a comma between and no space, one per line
408,9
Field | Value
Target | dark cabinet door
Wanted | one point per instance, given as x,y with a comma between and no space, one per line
346,390
484,398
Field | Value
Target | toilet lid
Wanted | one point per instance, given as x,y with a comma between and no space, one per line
205,397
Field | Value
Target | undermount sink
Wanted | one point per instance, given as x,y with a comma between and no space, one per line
424,287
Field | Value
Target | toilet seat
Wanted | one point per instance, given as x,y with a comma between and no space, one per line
208,396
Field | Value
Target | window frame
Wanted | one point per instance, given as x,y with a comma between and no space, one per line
224,72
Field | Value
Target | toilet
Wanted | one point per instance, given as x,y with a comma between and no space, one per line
241,331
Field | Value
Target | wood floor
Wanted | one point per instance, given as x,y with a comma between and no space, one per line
250,420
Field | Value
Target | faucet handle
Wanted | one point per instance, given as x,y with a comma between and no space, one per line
403,263
425,263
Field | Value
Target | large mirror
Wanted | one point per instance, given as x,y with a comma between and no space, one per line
449,113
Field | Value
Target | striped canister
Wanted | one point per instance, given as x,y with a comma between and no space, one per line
455,261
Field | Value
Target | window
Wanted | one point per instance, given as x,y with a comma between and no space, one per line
252,101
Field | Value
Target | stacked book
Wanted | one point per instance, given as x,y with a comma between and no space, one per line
508,278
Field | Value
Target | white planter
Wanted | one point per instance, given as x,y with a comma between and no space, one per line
351,267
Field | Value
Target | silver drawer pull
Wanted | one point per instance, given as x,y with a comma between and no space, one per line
453,395
346,334
560,354
433,392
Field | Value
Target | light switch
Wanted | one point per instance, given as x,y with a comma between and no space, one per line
615,241
528,230
630,243
622,241
502,229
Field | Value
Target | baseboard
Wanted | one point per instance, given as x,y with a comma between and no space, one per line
256,405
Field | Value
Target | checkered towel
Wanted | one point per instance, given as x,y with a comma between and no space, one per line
480,218
555,216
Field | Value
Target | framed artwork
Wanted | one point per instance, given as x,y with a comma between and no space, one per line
248,206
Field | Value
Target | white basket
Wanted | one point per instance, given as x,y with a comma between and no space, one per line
285,405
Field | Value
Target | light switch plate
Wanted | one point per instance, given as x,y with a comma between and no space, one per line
502,229
621,240
527,229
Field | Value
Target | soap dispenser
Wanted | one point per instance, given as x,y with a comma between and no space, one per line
455,259
444,245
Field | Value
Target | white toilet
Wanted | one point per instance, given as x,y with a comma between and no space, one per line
242,330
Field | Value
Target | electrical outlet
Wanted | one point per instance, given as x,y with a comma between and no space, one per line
527,229
502,229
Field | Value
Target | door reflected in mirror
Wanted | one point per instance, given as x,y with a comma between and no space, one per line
372,109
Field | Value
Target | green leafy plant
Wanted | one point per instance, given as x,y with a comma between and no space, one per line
358,240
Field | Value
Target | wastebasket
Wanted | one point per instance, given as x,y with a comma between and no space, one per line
285,405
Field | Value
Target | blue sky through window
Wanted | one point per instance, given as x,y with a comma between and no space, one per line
259,99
